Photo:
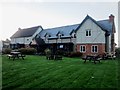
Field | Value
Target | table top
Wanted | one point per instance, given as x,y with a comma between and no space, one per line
15,52
91,55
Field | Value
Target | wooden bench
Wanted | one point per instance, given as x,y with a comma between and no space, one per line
15,56
111,56
50,57
10,56
58,57
108,55
91,58
54,57
22,56
96,59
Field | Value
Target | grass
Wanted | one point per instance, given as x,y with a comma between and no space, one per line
37,72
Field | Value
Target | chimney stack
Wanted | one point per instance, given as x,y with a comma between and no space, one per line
19,28
111,18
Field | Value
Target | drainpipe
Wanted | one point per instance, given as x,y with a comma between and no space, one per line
107,42
75,45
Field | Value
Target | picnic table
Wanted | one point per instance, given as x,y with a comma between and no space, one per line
94,58
110,56
57,57
54,57
16,55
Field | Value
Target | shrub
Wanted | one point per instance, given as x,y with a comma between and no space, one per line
59,52
6,51
48,51
28,51
66,54
117,52
73,54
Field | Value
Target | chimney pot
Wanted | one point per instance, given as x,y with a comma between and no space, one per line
111,18
19,28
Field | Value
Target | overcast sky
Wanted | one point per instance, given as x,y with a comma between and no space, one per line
27,14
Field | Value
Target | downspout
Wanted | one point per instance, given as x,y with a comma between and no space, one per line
113,39
107,42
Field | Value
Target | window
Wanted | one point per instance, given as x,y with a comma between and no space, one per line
82,48
88,32
94,48
74,35
59,35
61,46
47,35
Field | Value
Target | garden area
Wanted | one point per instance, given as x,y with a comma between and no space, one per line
36,71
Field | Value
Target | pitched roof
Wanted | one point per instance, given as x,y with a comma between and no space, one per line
27,32
39,40
105,25
65,30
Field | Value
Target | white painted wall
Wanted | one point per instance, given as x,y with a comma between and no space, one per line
97,35
25,40
28,40
66,40
52,41
12,41
59,41
73,40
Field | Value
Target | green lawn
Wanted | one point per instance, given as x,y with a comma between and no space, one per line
37,72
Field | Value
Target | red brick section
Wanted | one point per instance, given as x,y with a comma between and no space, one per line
101,48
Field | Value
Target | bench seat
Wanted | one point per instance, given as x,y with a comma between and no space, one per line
58,57
14,56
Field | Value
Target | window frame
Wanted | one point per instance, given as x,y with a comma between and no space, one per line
81,48
27,39
59,36
88,33
93,49
73,35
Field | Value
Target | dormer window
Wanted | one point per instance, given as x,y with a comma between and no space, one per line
59,35
73,35
47,36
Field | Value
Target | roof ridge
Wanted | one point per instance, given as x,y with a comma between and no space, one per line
31,27
103,20
26,32
61,26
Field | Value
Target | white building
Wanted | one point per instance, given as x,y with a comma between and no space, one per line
88,37
23,37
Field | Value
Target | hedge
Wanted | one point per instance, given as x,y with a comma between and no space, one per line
117,52
6,51
73,54
28,51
